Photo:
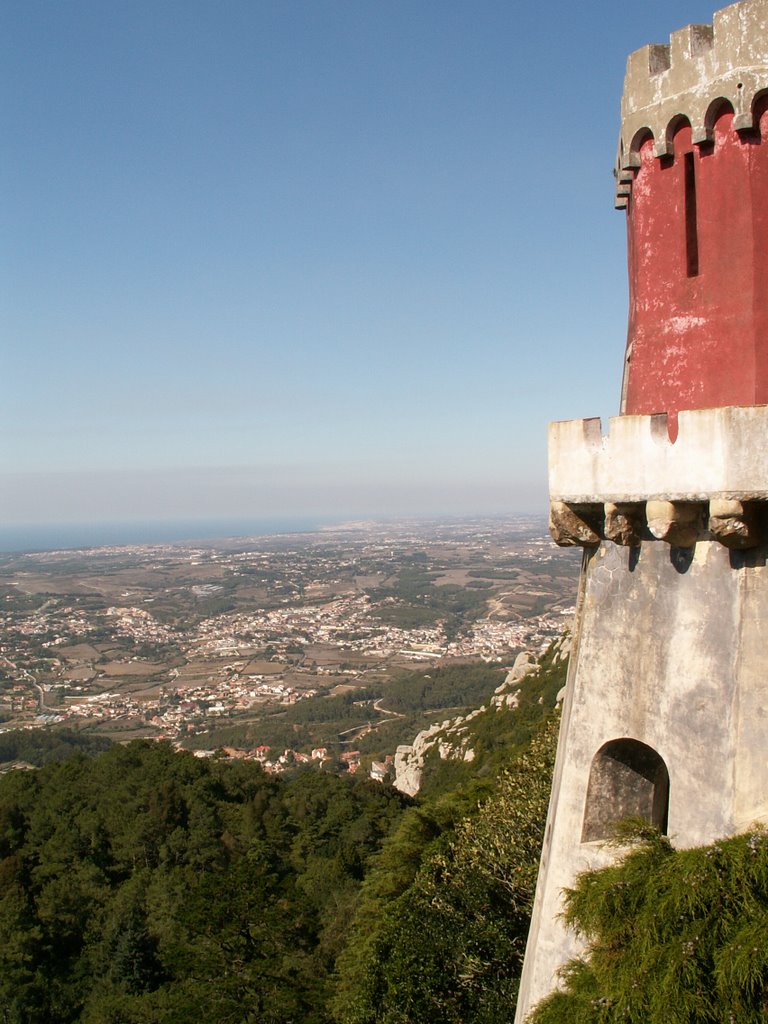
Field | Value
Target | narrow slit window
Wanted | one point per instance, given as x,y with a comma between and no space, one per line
691,232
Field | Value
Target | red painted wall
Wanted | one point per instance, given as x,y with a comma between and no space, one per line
698,331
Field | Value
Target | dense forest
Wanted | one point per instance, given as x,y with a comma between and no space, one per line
142,884
440,930
41,746
150,885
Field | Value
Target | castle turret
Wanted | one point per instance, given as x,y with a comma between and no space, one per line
666,708
692,173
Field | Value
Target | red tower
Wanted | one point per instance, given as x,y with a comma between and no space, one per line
693,176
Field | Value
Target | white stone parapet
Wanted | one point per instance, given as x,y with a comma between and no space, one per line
719,453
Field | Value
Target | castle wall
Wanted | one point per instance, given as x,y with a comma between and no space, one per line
667,654
692,174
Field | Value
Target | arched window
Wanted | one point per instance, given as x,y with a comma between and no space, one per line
628,779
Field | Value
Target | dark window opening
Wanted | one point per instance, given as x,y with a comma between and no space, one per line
628,779
691,232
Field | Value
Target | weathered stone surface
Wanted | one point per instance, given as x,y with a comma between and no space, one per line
654,660
451,743
569,528
408,770
734,523
719,453
676,522
624,522
525,663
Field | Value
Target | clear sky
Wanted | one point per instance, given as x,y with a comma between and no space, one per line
303,257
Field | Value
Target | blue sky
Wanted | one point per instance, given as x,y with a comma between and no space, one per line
306,257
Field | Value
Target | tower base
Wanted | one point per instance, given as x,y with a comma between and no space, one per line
665,717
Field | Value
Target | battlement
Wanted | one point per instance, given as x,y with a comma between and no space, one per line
719,454
702,66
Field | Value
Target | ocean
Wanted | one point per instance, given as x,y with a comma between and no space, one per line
60,536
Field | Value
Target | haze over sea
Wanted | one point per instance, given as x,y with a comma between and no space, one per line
59,536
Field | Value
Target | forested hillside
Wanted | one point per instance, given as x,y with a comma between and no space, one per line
441,927
41,746
147,885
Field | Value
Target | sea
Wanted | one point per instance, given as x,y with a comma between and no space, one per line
62,536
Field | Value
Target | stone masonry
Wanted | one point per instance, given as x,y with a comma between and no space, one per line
666,708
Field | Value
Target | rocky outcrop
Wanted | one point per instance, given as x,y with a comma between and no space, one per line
452,738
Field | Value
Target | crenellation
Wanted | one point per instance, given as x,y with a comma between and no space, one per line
718,453
658,58
690,42
702,65
740,31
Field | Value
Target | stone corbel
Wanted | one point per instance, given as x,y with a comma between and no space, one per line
624,522
572,525
676,522
734,523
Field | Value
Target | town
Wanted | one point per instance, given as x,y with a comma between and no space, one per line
178,641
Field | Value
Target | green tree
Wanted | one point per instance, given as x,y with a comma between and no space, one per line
675,937
447,943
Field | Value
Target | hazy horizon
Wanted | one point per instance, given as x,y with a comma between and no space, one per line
18,538
272,259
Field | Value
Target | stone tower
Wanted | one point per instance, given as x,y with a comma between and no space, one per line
666,708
